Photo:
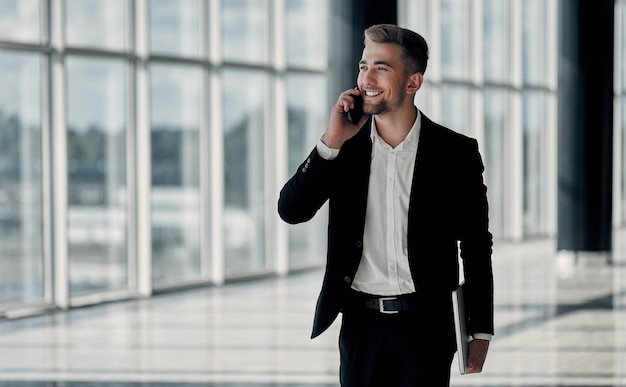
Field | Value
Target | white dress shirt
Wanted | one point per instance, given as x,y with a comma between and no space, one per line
384,268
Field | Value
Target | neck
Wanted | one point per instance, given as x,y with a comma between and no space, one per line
394,127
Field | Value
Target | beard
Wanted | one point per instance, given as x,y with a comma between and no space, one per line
382,107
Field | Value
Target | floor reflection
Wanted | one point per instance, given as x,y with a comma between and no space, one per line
560,321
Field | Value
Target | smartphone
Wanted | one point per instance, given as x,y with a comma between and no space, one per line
354,115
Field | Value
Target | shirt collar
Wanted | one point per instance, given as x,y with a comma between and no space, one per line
413,135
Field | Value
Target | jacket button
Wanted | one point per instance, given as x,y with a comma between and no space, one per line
347,279
359,244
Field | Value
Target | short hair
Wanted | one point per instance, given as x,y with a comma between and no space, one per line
414,46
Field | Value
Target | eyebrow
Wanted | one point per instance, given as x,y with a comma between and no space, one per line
378,62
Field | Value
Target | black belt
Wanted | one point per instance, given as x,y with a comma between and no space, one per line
387,304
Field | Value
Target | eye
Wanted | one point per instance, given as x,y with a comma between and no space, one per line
381,68
362,68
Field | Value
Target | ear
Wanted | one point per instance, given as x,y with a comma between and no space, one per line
414,83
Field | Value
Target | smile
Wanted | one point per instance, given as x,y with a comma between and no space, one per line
373,93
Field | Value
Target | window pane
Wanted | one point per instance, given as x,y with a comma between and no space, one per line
245,30
175,27
417,17
496,40
97,192
21,278
534,38
455,38
534,162
306,33
307,114
244,115
19,20
96,23
175,103
495,158
455,108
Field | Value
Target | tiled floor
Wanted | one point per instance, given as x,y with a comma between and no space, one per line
557,324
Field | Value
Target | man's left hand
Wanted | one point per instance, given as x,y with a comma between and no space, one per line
477,355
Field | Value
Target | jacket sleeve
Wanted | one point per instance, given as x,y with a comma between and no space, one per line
307,190
476,245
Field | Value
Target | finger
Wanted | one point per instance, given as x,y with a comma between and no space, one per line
347,102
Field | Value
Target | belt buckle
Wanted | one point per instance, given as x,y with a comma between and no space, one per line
381,305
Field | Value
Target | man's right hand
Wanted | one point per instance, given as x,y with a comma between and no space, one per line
340,129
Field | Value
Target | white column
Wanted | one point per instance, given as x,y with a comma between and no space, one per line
277,234
515,217
59,158
551,182
216,148
142,156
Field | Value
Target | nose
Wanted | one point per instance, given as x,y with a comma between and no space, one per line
365,77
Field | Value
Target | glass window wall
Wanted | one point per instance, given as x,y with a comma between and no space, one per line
306,41
455,39
496,47
166,177
245,31
534,29
510,107
175,27
95,23
20,20
97,215
175,197
21,222
307,114
455,107
535,178
244,163
496,157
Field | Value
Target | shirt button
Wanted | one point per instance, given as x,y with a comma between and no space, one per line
359,244
347,279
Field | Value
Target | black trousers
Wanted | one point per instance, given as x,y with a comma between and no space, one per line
407,349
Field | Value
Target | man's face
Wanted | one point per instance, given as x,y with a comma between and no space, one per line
382,78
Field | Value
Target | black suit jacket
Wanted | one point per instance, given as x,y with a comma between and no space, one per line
448,203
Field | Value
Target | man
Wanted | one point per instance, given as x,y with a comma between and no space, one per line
402,192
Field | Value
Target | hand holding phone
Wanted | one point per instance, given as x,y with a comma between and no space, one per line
346,119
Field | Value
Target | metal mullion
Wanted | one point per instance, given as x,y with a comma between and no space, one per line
551,190
618,149
98,53
276,233
177,60
46,179
142,151
216,146
4,45
477,111
247,66
131,165
204,146
514,217
303,70
59,158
